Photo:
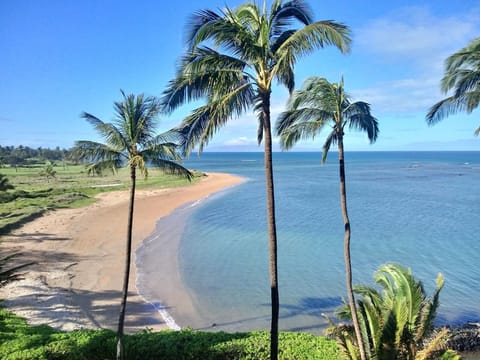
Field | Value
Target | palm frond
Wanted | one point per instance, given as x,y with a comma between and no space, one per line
92,151
332,139
296,125
283,14
311,37
200,126
361,119
429,311
97,168
107,131
202,73
172,167
436,345
451,105
197,25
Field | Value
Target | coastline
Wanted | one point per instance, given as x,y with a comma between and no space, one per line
76,281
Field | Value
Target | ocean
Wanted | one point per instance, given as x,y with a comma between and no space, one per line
418,209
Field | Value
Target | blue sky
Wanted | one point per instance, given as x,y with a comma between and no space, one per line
61,57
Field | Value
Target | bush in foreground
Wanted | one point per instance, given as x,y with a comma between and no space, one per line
19,341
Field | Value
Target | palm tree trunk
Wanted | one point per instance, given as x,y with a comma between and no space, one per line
128,251
272,230
346,248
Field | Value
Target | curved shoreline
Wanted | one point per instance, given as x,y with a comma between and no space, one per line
76,282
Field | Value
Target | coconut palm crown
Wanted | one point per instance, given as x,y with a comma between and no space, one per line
233,57
319,104
462,75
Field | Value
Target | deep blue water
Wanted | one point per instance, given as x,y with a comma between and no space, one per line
419,209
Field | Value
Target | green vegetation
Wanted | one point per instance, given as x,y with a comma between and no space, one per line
253,47
18,341
71,187
396,323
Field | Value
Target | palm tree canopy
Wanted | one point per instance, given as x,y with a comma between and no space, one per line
320,103
398,318
462,76
233,57
131,140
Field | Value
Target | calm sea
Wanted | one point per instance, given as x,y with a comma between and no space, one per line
418,209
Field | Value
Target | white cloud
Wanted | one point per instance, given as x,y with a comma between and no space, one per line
414,33
240,141
411,46
403,95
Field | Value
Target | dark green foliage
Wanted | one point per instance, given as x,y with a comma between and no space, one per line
5,183
21,342
396,321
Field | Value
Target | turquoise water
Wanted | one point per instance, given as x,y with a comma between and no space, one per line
419,209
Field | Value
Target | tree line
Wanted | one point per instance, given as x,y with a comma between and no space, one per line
26,156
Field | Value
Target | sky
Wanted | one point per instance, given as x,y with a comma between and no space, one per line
59,58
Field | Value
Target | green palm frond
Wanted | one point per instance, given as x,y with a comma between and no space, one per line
396,322
332,139
312,37
462,75
107,131
429,310
322,102
92,151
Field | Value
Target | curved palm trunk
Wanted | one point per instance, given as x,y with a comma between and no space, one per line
272,230
126,277
346,248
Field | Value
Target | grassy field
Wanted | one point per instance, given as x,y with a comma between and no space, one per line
36,193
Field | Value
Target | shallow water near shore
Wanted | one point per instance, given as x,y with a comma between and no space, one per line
419,209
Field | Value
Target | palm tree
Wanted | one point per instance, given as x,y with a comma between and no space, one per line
130,140
252,47
309,110
397,322
462,74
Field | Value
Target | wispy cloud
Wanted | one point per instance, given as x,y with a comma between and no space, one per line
417,34
420,39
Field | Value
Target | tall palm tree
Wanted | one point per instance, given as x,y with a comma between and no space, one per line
252,47
317,104
462,75
398,321
130,140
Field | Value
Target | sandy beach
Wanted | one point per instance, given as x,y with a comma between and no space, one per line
79,254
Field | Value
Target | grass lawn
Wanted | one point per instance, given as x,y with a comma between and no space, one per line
34,193
21,342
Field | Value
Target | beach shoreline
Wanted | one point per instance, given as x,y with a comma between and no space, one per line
79,255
